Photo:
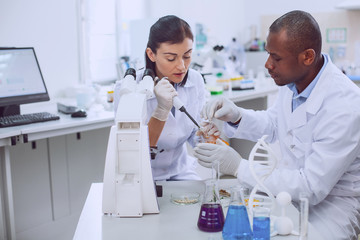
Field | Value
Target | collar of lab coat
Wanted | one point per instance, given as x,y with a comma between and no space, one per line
298,117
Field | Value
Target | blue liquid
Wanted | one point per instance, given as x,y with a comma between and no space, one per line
237,225
261,227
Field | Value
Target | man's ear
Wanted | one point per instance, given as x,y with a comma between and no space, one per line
150,54
308,56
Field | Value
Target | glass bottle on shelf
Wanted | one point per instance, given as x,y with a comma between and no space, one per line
237,224
211,216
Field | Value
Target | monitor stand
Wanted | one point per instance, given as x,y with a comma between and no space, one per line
9,110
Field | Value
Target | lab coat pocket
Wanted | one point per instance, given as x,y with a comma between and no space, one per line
300,149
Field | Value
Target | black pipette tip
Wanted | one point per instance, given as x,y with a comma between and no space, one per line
191,118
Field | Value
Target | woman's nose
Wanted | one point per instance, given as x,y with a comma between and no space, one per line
180,64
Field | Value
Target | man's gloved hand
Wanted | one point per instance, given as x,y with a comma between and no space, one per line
164,93
222,109
229,159
208,129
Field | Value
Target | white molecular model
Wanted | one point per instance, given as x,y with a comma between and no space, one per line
263,154
260,195
283,225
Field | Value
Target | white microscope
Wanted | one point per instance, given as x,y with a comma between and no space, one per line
129,189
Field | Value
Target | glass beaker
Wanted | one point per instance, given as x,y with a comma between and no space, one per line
203,138
211,216
237,224
261,223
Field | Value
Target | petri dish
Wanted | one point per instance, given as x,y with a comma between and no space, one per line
186,198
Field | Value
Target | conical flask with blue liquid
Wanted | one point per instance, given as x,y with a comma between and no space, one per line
237,224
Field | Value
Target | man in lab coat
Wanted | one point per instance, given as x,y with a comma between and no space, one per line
316,120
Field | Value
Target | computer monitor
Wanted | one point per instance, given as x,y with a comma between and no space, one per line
21,80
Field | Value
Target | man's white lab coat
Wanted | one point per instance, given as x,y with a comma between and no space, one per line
320,147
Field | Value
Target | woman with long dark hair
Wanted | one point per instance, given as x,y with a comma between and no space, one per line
168,54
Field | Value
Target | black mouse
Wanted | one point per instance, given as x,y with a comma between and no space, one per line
79,113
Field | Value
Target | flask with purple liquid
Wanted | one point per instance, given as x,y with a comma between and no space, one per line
211,216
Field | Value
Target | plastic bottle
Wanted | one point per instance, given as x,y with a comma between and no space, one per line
237,224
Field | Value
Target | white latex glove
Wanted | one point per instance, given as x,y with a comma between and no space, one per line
164,93
229,159
209,129
222,109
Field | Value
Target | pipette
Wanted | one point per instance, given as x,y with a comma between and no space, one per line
180,106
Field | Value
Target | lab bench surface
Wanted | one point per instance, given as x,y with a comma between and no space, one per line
173,221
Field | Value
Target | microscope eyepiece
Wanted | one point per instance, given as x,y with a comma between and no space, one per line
130,71
149,72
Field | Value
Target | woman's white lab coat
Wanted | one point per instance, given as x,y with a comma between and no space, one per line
174,162
320,147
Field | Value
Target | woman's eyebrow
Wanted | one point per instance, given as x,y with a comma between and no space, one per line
188,51
174,54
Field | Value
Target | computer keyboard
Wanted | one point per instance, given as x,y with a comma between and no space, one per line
16,120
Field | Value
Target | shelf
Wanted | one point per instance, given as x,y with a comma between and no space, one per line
349,5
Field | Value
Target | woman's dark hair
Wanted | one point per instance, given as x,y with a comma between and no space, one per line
170,29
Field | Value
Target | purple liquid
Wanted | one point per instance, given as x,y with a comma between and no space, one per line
211,218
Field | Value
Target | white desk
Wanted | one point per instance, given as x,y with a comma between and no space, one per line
173,221
31,132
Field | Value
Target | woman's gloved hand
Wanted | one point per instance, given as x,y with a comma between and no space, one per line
222,109
164,93
229,159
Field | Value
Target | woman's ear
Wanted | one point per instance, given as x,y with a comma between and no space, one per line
150,54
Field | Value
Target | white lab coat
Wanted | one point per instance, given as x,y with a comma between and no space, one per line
320,147
174,162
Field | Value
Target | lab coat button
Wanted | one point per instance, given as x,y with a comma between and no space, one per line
292,146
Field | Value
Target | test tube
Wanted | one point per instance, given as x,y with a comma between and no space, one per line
304,215
215,168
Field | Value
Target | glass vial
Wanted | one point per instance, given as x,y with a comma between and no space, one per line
304,215
211,216
237,224
261,223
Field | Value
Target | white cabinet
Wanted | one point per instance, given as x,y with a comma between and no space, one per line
51,178
86,161
31,185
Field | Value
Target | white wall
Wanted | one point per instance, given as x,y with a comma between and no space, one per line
254,10
51,28
222,19
228,18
